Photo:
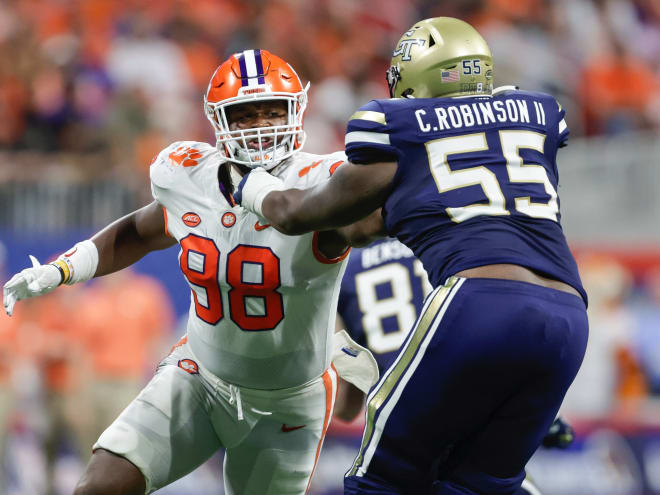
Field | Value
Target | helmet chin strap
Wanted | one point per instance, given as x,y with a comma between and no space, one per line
275,155
252,158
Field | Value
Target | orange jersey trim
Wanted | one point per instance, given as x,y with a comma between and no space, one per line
335,166
167,233
305,170
329,406
320,257
182,341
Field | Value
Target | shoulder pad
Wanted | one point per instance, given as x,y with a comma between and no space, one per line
370,116
367,137
176,159
314,168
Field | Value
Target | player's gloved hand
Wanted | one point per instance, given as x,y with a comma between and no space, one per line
254,187
31,282
560,435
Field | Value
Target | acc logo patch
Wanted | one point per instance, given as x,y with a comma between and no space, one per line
189,365
191,219
228,219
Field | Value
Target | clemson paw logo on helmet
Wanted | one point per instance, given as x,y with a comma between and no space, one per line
186,156
189,365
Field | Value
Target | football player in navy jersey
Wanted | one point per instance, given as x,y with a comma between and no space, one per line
382,293
467,179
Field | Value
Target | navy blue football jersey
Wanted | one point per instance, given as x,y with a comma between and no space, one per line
382,294
476,182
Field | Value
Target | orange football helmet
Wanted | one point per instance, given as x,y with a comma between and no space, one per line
246,77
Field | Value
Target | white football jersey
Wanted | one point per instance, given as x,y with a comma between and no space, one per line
263,304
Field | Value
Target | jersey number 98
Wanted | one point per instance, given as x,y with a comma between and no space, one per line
200,263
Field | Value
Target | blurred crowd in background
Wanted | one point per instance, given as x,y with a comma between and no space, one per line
93,89
108,84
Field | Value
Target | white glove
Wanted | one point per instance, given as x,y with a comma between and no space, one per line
353,362
31,282
254,187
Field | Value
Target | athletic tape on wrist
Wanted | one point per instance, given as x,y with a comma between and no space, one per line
63,269
260,196
259,185
80,262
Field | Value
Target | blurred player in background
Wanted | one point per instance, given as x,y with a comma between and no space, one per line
382,294
253,373
467,179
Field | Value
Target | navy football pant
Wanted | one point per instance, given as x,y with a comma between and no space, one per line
472,392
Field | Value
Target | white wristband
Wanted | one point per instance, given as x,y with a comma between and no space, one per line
258,185
81,261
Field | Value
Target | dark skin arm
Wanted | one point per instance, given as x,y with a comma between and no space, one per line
365,231
349,401
352,193
128,239
333,243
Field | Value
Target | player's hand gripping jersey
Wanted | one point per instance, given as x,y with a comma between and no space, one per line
482,165
259,313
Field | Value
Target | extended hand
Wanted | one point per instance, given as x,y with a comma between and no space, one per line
31,282
254,187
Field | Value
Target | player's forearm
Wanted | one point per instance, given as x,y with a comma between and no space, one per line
119,246
324,207
130,238
296,211
352,193
365,231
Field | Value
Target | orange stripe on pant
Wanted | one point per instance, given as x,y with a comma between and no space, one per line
330,391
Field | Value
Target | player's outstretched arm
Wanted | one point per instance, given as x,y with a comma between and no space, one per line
128,239
353,192
117,246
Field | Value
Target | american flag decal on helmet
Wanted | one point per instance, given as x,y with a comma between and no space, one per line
450,76
252,68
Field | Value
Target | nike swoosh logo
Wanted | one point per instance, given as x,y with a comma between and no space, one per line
258,226
71,253
287,429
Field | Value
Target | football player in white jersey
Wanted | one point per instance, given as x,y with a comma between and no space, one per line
253,375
